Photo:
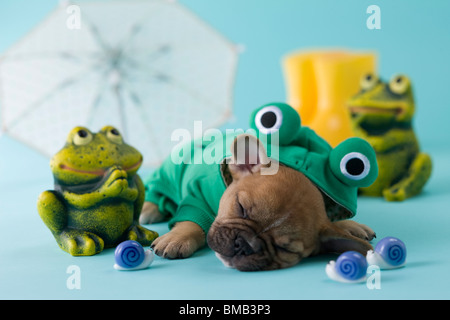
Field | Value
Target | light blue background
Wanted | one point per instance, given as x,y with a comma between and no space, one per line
414,39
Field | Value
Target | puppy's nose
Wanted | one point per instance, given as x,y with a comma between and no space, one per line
242,247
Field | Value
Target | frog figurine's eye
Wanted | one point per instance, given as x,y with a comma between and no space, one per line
114,135
399,84
82,136
368,81
354,162
276,118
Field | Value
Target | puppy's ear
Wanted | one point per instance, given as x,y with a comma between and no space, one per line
248,156
336,240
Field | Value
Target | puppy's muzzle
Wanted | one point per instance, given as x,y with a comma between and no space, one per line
239,247
243,247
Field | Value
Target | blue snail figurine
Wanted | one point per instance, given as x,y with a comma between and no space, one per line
350,267
130,255
389,253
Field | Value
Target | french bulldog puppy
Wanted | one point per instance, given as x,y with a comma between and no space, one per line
264,221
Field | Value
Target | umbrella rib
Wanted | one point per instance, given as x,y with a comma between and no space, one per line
119,95
137,27
149,129
95,103
162,77
96,34
50,94
160,52
49,55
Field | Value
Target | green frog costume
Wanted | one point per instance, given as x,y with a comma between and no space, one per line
191,192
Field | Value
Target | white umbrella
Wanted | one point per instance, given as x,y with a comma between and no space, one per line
146,67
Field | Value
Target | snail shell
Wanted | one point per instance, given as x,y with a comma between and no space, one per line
389,253
130,255
350,266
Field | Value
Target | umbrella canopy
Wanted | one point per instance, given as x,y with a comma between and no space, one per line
145,67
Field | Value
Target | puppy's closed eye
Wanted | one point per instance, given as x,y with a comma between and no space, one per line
288,246
282,248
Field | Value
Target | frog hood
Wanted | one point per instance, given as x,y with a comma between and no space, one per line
338,172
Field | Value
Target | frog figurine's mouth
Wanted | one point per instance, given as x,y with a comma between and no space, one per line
378,120
375,110
101,171
101,176
98,172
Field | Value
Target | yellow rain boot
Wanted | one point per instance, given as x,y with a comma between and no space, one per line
319,84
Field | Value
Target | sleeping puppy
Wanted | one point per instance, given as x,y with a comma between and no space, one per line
270,222
264,221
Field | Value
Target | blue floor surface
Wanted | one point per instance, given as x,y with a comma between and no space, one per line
33,267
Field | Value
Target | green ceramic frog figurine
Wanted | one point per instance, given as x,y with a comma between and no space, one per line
98,196
382,114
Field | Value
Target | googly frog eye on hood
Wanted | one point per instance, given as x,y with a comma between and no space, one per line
275,118
353,162
269,119
338,172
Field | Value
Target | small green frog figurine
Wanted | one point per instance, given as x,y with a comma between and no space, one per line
382,114
98,196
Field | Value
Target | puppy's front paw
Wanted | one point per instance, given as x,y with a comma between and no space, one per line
181,242
150,214
357,229
173,247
